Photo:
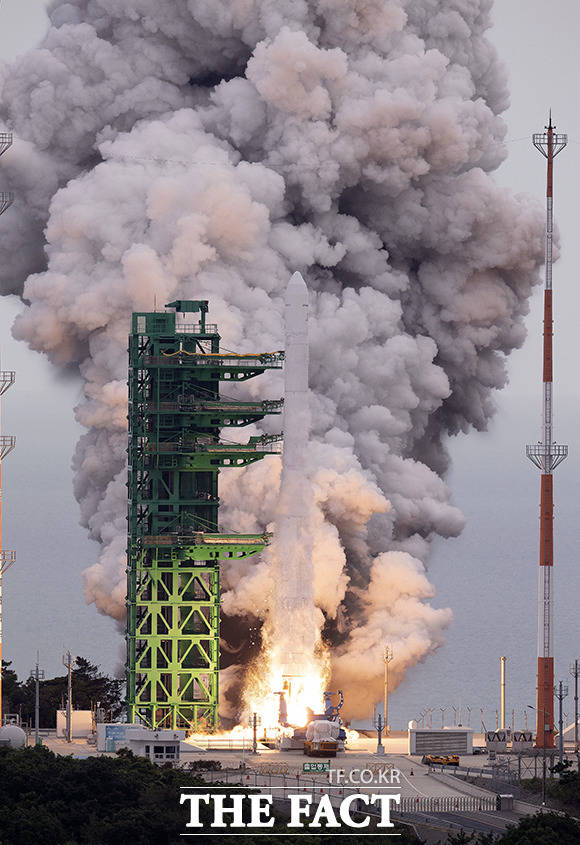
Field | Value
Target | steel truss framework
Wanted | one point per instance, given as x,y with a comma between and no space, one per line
175,547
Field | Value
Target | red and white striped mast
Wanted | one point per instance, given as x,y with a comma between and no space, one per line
547,455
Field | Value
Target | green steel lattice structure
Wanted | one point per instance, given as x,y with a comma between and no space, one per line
175,546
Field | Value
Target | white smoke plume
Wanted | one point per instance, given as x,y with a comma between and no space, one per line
181,148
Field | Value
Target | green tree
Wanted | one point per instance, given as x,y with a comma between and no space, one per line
11,688
461,838
89,686
543,829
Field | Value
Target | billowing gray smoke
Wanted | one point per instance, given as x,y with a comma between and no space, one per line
185,148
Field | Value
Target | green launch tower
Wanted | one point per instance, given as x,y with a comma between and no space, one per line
175,546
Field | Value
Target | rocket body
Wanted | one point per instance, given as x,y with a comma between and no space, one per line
296,399
294,612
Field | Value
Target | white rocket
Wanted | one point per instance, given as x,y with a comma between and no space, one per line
296,400
294,613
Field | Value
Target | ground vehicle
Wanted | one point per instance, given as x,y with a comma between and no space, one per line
320,749
321,739
440,760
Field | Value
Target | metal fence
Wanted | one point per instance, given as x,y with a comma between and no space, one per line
448,804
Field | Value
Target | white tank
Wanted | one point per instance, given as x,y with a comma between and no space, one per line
13,736
322,731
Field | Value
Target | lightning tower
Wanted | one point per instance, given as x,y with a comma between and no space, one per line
7,443
546,455
7,558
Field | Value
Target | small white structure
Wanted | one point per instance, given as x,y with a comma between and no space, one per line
496,741
457,740
159,746
82,724
12,736
522,740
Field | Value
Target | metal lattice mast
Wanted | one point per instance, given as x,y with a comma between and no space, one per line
6,443
547,455
175,547
7,558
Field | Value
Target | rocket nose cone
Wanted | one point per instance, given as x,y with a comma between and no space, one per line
296,291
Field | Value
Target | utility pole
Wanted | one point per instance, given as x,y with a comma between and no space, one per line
379,727
37,675
69,661
387,657
575,671
546,455
255,733
561,691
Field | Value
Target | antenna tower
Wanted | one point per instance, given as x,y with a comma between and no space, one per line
7,444
546,455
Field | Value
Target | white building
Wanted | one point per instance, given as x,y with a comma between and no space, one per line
82,724
159,746
456,740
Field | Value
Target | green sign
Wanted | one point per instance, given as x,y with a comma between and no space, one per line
316,767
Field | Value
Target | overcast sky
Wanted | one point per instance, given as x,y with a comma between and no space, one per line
488,576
